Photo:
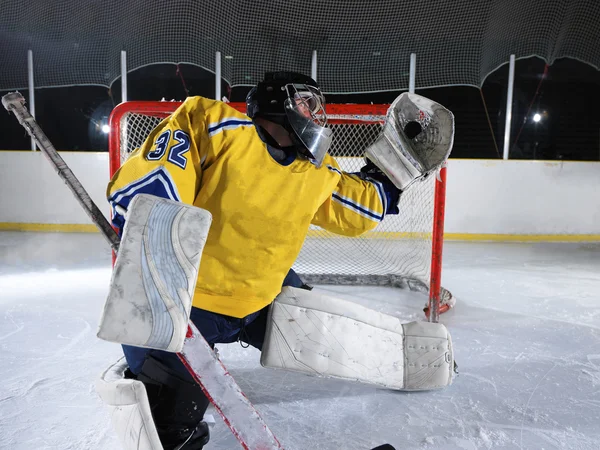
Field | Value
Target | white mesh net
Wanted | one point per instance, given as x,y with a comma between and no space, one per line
396,253
362,46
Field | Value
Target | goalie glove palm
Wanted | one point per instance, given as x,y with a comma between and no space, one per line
416,140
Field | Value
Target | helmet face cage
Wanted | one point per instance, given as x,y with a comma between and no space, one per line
305,114
309,101
295,102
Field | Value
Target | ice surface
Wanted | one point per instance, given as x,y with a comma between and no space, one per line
526,331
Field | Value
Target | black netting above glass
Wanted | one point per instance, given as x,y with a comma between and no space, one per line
362,46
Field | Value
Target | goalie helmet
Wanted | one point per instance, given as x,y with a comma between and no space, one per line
295,102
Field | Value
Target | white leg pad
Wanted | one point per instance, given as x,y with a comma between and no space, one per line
327,336
129,408
155,274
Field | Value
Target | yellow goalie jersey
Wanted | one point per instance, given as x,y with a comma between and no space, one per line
209,155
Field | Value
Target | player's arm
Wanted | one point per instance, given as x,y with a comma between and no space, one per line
167,165
357,205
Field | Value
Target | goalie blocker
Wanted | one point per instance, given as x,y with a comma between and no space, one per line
330,337
154,276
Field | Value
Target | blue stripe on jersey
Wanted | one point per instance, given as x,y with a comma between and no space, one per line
158,182
227,124
359,209
382,193
333,169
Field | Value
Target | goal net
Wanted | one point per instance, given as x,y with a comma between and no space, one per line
399,252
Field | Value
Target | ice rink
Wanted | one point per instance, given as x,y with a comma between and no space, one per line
526,331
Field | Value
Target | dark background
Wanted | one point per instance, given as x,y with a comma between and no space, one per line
565,94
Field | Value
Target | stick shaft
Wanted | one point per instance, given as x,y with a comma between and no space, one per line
14,102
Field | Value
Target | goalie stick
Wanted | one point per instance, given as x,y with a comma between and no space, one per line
209,372
14,102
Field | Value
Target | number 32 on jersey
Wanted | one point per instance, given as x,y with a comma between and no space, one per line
176,151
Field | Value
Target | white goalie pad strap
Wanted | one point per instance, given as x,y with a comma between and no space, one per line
327,336
416,139
129,409
155,274
428,356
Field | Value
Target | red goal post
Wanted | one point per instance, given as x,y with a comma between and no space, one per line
404,250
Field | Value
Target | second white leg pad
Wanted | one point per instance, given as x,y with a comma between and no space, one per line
327,336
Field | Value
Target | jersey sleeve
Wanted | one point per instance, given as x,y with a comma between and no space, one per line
355,206
168,164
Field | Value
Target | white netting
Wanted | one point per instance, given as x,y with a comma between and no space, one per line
397,252
362,46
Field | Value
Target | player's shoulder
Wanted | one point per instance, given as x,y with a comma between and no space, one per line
214,110
331,164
